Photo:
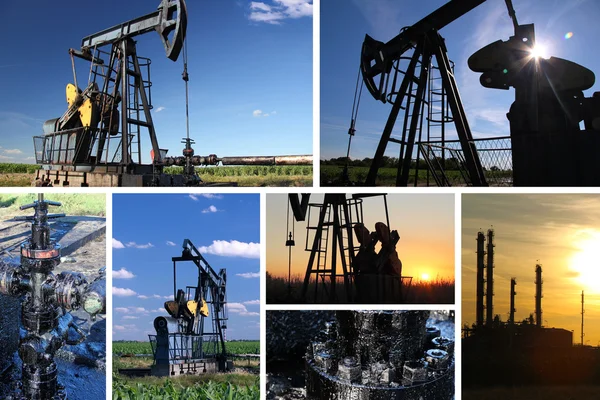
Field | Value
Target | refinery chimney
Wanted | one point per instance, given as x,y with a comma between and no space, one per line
490,278
538,295
480,280
513,283
582,312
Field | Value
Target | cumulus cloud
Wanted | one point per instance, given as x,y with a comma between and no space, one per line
13,151
117,244
122,292
252,302
210,209
240,309
130,317
122,274
276,11
232,249
139,246
159,109
169,243
249,275
154,296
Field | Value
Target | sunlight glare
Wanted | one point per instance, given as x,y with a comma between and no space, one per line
586,262
425,277
539,51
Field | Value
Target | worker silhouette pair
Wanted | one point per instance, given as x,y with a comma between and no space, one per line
384,262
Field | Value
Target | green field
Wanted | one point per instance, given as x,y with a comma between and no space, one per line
232,347
72,204
250,175
218,387
240,384
330,175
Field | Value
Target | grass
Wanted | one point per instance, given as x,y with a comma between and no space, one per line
438,291
285,175
93,204
232,347
533,393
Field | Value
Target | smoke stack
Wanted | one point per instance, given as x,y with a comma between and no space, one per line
480,280
582,312
513,283
490,278
538,295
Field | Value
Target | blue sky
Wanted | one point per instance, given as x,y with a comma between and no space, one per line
150,229
344,24
250,67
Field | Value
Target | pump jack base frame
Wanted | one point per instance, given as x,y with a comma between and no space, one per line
116,176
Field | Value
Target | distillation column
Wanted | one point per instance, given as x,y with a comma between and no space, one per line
513,283
480,279
538,295
490,279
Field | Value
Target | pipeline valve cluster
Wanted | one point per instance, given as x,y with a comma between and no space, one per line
46,302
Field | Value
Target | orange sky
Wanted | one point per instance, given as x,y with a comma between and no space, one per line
425,224
562,232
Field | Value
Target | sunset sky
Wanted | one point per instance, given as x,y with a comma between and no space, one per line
425,224
562,232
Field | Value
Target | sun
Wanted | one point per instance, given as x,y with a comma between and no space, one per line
586,261
539,51
425,277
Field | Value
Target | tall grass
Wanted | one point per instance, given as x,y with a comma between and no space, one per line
437,291
72,204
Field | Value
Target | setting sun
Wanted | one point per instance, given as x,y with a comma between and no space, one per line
585,262
425,277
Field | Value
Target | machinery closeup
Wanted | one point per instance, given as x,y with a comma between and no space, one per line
191,340
98,139
377,355
46,303
412,71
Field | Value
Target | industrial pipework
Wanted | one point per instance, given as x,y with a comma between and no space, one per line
46,305
376,355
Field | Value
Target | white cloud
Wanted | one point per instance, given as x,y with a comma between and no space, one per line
210,209
13,151
196,196
143,297
117,244
130,317
122,274
232,249
159,109
139,246
154,296
125,328
249,275
252,302
122,292
168,297
131,310
260,113
279,10
169,243
240,309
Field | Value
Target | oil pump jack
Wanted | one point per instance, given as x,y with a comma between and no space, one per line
367,276
544,119
184,342
98,140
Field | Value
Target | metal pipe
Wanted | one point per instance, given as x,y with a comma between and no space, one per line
212,159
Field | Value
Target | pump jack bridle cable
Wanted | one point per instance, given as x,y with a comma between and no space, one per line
352,130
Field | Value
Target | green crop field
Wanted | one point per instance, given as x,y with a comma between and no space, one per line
172,389
232,347
285,175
